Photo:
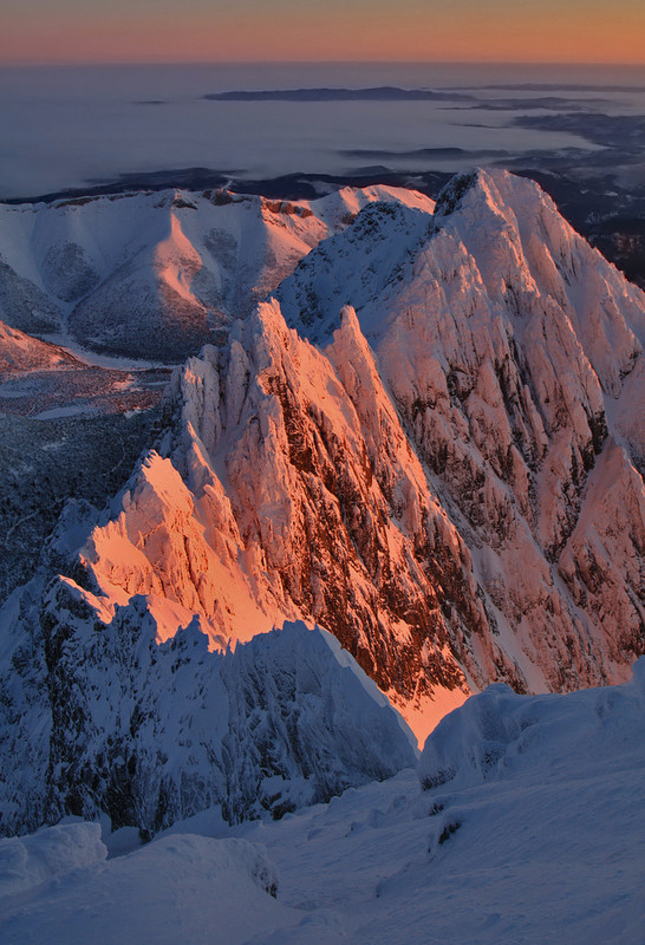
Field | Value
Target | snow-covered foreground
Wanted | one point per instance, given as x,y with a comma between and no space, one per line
533,833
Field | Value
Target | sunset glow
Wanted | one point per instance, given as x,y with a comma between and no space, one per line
464,30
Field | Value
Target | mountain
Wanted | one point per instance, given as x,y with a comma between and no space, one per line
513,352
155,274
97,718
20,353
428,442
459,501
148,275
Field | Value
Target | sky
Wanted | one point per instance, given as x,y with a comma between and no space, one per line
84,31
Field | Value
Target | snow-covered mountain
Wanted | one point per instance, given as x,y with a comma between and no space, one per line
529,829
513,352
458,502
429,442
97,717
21,353
150,275
156,274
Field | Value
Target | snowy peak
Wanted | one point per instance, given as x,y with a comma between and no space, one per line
286,489
512,351
364,263
524,249
159,273
424,484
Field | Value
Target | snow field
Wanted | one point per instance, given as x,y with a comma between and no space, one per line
544,843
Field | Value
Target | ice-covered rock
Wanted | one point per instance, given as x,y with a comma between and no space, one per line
513,352
114,722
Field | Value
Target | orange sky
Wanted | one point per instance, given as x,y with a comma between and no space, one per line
309,30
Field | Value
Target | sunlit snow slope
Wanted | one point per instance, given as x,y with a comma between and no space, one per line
155,275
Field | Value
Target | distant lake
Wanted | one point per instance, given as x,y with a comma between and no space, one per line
73,126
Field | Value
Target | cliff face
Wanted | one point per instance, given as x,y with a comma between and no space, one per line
513,352
288,489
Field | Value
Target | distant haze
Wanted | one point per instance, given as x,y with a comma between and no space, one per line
78,126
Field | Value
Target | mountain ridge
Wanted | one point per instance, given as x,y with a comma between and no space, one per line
158,271
423,441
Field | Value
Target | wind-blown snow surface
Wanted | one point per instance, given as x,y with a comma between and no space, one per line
155,274
532,832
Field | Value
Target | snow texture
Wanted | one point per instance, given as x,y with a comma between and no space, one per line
536,837
513,352
160,273
149,733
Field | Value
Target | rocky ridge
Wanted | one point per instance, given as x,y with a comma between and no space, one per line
513,352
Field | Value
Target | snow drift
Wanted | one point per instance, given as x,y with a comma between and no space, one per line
537,835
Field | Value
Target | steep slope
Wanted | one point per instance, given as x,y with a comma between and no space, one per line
514,353
287,489
97,717
20,354
148,275
448,480
154,275
473,518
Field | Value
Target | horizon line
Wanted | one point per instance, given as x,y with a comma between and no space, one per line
35,64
